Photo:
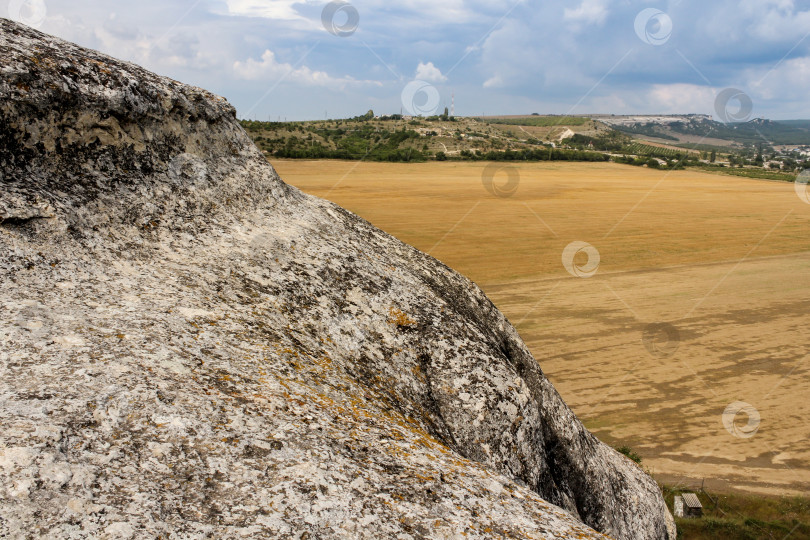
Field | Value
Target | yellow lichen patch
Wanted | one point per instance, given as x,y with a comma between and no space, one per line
399,318
418,373
323,361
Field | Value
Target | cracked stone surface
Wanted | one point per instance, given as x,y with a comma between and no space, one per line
190,348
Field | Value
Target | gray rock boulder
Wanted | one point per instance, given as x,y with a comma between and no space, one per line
191,348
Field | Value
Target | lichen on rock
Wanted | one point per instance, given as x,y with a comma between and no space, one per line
192,348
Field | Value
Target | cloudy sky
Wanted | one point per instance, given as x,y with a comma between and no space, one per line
306,59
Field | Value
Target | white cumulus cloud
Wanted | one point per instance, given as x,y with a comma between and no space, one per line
270,69
494,82
272,9
429,73
588,12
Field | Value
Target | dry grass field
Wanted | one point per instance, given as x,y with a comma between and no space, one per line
725,261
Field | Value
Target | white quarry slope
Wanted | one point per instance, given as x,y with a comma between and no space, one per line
191,348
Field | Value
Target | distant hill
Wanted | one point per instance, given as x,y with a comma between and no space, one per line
757,149
692,128
405,139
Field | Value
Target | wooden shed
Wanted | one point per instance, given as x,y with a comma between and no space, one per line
688,505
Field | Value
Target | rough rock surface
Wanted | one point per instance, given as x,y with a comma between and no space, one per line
189,347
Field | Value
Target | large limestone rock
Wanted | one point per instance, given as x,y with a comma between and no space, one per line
191,348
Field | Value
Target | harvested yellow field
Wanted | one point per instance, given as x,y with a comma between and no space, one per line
689,343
